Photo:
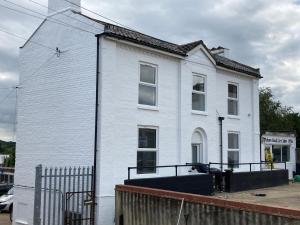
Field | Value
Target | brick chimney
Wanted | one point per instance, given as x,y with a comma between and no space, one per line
59,5
220,51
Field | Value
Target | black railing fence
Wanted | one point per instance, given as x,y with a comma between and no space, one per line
208,168
155,167
269,165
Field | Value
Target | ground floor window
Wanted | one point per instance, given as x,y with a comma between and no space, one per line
233,159
197,153
233,150
281,153
147,150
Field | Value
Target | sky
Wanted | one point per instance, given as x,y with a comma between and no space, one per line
264,34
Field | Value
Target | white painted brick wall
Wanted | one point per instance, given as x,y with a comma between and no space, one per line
56,105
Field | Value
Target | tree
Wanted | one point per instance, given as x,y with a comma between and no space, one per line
8,148
276,117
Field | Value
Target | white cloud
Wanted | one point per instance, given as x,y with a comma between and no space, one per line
261,33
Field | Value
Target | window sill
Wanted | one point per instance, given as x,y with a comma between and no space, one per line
146,175
233,117
148,107
202,113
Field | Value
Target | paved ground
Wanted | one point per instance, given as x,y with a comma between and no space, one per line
287,196
4,219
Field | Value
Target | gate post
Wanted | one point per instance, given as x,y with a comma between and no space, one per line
37,196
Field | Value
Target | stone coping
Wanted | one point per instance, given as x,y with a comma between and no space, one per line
271,210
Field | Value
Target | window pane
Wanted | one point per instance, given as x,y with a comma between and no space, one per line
232,91
146,159
232,107
198,102
233,159
276,150
194,154
285,153
147,74
147,95
198,83
233,141
147,138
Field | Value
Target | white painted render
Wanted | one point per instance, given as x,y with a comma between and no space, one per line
56,110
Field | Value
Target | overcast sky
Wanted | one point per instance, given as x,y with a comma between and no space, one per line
264,34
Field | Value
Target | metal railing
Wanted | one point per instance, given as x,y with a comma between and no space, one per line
62,194
271,165
7,170
155,167
6,176
251,164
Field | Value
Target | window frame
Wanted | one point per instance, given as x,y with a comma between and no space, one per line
233,99
200,92
156,150
148,84
199,152
234,149
281,146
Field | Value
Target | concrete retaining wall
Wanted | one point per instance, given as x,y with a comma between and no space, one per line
145,206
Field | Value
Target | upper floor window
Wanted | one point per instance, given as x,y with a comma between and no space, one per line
148,85
147,150
233,150
198,93
233,100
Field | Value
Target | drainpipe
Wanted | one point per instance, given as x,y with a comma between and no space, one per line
221,141
96,130
260,150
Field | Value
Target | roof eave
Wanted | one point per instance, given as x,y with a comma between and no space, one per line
130,40
227,68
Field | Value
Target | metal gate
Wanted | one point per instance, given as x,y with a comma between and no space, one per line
64,196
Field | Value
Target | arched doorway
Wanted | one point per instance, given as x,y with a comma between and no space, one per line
198,146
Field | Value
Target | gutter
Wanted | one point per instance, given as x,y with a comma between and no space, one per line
238,72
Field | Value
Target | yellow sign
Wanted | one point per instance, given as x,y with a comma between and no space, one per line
268,157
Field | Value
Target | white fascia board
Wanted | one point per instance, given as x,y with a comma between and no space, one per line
207,54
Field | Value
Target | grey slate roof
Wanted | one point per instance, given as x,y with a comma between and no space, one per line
236,66
182,50
143,39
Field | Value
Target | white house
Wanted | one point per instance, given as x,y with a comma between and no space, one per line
159,103
281,146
